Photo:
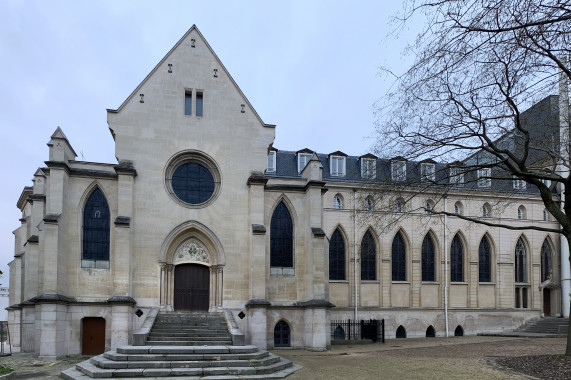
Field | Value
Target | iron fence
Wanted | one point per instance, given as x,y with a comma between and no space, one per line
373,329
22,335
5,343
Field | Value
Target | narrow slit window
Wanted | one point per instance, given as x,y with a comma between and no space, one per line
199,103
188,103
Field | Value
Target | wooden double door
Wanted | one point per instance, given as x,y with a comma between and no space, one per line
191,287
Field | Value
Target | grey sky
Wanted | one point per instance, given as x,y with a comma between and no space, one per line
310,67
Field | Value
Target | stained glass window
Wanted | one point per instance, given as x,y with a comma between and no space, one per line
545,260
368,258
456,260
399,258
281,238
193,183
96,223
484,261
427,258
520,262
336,256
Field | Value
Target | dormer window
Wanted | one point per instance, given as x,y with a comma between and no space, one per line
427,172
484,179
271,162
337,166
398,170
368,168
302,160
456,176
519,184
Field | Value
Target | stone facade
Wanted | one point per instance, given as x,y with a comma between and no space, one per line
189,111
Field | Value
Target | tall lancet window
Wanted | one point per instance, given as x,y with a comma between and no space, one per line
96,231
336,256
281,238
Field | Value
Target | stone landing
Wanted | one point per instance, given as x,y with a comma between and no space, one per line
185,362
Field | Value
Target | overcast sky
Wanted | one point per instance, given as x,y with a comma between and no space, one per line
310,67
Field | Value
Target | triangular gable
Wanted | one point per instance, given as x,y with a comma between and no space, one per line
165,58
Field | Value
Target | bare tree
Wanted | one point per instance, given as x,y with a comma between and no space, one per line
478,65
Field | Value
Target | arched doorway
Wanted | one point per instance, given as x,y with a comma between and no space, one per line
191,287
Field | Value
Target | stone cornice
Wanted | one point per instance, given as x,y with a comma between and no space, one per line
317,232
123,221
124,300
125,167
256,179
258,229
51,218
258,302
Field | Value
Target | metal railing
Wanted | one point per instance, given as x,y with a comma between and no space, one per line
372,329
22,335
5,342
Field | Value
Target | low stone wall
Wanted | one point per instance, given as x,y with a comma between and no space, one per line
416,322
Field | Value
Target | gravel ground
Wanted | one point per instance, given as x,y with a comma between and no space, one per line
435,358
540,366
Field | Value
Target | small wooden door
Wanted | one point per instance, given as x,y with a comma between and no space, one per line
92,336
191,287
546,302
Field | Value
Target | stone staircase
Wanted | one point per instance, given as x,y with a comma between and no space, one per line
547,325
192,345
189,329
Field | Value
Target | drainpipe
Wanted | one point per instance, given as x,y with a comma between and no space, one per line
445,268
355,267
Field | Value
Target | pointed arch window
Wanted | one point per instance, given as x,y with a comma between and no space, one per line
427,254
399,258
520,261
368,258
96,231
484,261
456,260
281,238
336,256
545,261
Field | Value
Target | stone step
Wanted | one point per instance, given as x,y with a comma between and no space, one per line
191,334
186,342
162,350
193,361
195,338
278,369
202,329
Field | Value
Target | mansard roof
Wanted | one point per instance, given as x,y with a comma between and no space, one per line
286,167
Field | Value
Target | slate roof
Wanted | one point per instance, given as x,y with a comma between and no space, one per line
286,167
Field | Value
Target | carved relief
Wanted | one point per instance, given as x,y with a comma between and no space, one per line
191,251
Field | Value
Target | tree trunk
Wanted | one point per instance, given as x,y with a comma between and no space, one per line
568,347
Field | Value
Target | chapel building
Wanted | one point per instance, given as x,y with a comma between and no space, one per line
202,213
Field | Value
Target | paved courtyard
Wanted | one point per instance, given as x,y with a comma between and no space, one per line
436,358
